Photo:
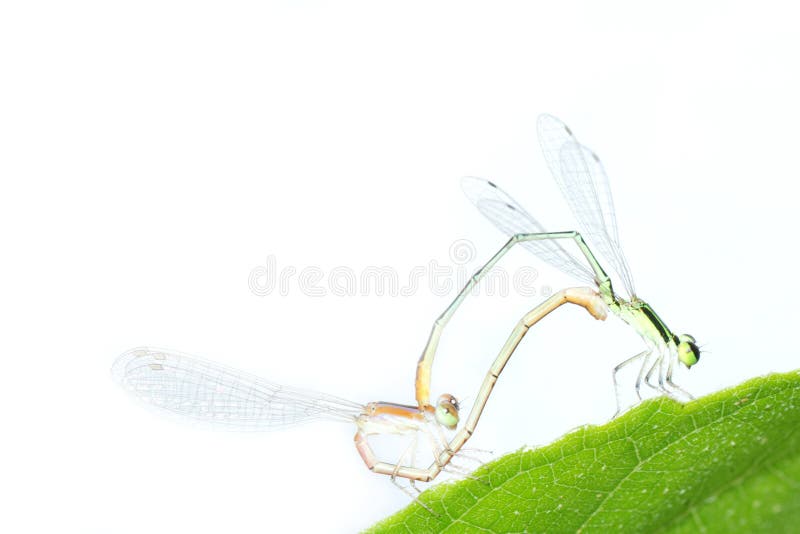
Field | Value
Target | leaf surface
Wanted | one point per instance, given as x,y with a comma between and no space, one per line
729,462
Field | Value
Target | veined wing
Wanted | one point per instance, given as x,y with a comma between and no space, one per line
583,182
211,393
511,218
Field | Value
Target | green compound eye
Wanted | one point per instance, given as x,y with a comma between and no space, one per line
447,411
688,352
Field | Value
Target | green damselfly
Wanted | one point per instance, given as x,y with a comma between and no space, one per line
583,182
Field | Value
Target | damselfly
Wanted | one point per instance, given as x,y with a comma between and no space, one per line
215,395
583,182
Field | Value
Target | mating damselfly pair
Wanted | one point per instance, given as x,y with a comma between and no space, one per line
213,394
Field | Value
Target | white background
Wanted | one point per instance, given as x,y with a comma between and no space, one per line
152,155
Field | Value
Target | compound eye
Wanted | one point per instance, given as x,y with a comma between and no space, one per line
447,411
447,398
688,353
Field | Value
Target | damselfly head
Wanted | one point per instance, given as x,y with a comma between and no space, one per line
447,411
688,351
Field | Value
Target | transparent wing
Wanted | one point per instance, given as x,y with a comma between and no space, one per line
583,182
511,218
210,393
578,166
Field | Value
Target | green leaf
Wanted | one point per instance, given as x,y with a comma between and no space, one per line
729,462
